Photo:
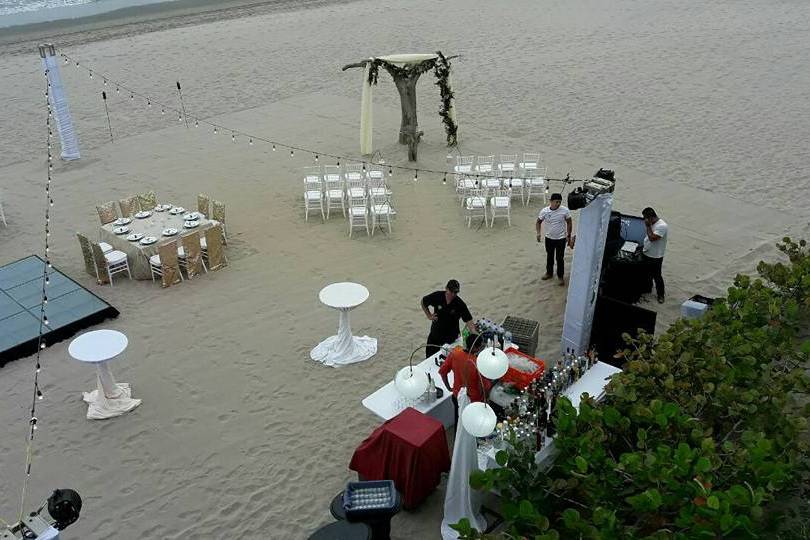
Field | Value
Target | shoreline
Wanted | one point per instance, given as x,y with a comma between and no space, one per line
24,38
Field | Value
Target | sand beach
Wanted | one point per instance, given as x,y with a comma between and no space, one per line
701,110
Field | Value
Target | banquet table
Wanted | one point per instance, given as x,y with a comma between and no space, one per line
344,348
110,398
153,225
593,382
410,449
387,402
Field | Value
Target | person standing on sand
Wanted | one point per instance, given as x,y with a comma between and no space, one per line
558,224
655,243
448,308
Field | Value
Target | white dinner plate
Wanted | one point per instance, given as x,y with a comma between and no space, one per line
162,207
121,230
143,214
177,210
190,224
148,240
171,231
191,216
122,221
134,237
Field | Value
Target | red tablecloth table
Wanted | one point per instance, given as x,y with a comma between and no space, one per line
411,450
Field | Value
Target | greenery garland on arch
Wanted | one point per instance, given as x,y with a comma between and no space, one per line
441,68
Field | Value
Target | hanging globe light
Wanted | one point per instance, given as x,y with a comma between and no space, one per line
411,381
478,419
492,363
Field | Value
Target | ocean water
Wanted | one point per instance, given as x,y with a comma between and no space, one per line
18,12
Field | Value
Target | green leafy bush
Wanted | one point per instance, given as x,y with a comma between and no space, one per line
699,437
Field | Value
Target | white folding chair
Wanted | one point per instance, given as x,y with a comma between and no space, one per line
535,184
464,186
484,164
490,184
517,187
375,172
501,206
380,213
530,162
115,263
313,198
464,164
333,189
507,164
353,171
358,208
476,206
312,176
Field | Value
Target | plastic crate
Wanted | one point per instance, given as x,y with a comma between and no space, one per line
522,379
525,333
370,498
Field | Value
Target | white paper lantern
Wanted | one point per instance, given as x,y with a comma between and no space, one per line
478,419
492,363
411,381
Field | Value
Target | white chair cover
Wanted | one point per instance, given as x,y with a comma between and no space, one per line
460,500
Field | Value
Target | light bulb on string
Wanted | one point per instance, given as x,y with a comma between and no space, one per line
444,179
390,171
251,141
162,110
132,97
39,395
196,123
416,176
274,148
316,158
233,137
105,82
149,103
179,117
292,152
338,162
215,130
117,90
91,74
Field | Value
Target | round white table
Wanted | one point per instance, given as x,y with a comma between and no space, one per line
344,348
110,398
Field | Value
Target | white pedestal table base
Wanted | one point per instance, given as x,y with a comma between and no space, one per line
110,399
344,348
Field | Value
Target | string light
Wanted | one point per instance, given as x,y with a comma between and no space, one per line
91,73
252,137
251,141
162,111
416,175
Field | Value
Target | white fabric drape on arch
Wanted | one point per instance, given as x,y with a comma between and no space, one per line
460,500
367,102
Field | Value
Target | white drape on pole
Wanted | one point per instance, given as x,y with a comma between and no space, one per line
59,104
366,114
586,269
452,112
460,500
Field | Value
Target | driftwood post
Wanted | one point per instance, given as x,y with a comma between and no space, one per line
405,81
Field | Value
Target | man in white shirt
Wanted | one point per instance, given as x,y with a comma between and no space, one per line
558,225
655,243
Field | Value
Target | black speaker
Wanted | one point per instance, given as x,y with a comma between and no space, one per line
577,200
64,506
605,174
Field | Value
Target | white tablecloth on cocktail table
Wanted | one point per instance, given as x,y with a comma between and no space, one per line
109,399
344,348
154,225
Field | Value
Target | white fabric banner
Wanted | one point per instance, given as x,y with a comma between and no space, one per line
460,500
366,114
59,107
586,269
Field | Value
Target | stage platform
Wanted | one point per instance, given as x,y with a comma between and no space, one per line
70,307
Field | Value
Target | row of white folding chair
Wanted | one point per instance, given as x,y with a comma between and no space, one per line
484,204
507,164
363,207
532,183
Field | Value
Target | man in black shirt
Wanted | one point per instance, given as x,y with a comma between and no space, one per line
448,308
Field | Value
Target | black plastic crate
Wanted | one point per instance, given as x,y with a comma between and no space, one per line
525,333
370,498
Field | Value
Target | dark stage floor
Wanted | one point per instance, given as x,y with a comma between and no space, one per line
70,307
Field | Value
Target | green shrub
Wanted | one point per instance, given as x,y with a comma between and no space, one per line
699,437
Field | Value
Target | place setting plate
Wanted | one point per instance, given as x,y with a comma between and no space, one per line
121,230
122,221
162,207
192,216
177,210
143,214
190,224
148,240
171,231
134,237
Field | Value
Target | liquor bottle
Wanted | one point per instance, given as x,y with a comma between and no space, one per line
431,389
551,429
